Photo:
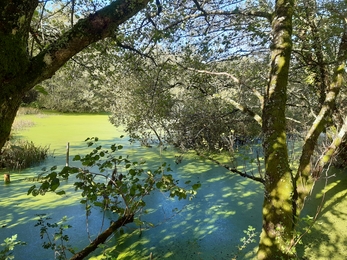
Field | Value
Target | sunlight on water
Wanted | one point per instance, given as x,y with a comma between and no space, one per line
208,227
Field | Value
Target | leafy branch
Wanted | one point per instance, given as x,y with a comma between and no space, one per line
119,192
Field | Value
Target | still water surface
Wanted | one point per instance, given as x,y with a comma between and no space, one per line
208,227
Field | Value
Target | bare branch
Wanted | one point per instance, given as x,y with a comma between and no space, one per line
236,80
130,48
243,174
247,111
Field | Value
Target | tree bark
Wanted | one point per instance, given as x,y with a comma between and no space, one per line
277,207
304,178
285,193
19,72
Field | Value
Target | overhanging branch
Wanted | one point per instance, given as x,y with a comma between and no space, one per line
122,221
243,174
95,27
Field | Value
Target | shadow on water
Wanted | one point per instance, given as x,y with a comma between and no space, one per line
208,227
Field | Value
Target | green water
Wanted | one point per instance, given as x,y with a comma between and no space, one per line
208,227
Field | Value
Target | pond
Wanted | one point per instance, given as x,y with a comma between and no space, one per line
208,227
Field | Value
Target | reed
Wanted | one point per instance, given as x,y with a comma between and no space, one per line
19,154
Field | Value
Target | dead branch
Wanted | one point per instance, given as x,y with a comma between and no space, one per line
243,174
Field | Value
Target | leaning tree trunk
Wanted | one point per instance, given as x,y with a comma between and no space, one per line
8,111
15,17
19,72
277,207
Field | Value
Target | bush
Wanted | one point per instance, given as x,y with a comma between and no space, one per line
17,155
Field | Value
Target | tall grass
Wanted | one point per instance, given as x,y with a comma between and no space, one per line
18,154
28,111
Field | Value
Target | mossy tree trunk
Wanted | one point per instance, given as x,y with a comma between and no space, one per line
277,206
304,178
285,192
19,72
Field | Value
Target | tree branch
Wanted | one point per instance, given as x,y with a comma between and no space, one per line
122,221
243,174
303,177
330,151
242,108
130,48
95,27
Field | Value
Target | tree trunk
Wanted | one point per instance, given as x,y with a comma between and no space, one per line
277,207
305,176
19,72
8,110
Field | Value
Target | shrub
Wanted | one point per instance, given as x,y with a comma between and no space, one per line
19,154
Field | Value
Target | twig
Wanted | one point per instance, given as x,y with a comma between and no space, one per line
243,174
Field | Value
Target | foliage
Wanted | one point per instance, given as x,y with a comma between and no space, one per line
58,241
73,90
277,62
119,185
246,240
9,244
164,102
30,97
340,161
18,154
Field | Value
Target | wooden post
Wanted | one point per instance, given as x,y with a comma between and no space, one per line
7,178
67,153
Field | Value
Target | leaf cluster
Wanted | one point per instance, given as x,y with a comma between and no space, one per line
9,244
109,188
58,241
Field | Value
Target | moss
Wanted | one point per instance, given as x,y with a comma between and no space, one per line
13,56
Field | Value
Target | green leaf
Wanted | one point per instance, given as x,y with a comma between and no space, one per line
41,89
196,186
62,192
99,204
31,189
57,236
77,158
55,184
